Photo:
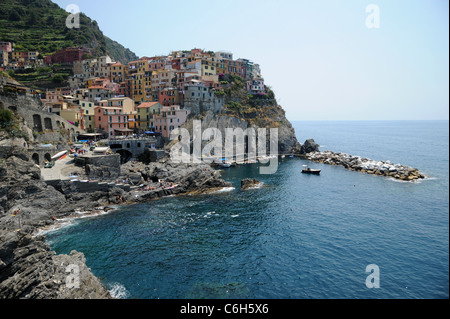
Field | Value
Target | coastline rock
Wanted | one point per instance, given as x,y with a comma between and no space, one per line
30,270
368,166
309,146
188,177
249,183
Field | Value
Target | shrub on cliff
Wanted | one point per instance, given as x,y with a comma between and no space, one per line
6,119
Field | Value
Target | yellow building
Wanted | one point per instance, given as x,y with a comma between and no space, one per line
119,72
142,84
132,123
88,109
145,115
74,115
208,67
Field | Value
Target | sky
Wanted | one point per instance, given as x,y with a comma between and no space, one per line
319,56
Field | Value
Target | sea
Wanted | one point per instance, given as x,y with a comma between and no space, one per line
340,235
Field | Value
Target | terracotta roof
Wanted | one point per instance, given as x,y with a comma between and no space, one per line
98,87
147,104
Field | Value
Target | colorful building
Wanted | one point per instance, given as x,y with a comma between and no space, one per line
256,86
6,46
67,55
169,96
112,120
119,72
142,83
170,118
88,111
145,115
208,67
99,93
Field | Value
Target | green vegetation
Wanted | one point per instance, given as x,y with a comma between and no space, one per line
40,25
9,126
5,119
259,110
44,76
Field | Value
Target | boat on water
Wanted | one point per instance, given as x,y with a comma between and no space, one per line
224,165
311,171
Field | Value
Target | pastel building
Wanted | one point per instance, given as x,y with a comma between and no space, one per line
118,72
74,115
169,96
99,93
88,111
6,46
145,115
256,86
112,120
170,118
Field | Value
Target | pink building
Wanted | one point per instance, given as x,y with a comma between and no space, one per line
256,86
6,46
107,84
113,116
112,120
170,118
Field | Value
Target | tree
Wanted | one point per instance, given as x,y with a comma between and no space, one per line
5,118
58,79
14,15
32,19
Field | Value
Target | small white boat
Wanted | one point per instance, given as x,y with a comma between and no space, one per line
101,149
57,156
225,165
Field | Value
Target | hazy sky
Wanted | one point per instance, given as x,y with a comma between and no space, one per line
319,57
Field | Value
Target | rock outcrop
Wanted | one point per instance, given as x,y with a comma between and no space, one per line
309,146
30,270
249,183
188,177
287,141
368,166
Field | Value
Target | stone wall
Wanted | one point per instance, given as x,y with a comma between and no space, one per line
101,166
86,186
46,127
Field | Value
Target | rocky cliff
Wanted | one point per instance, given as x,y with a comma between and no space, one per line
243,110
28,268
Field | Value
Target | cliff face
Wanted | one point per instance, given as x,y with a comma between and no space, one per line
287,141
242,110
28,268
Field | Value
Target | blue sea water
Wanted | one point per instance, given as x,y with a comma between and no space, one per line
297,237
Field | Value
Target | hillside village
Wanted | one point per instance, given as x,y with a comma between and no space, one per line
152,95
